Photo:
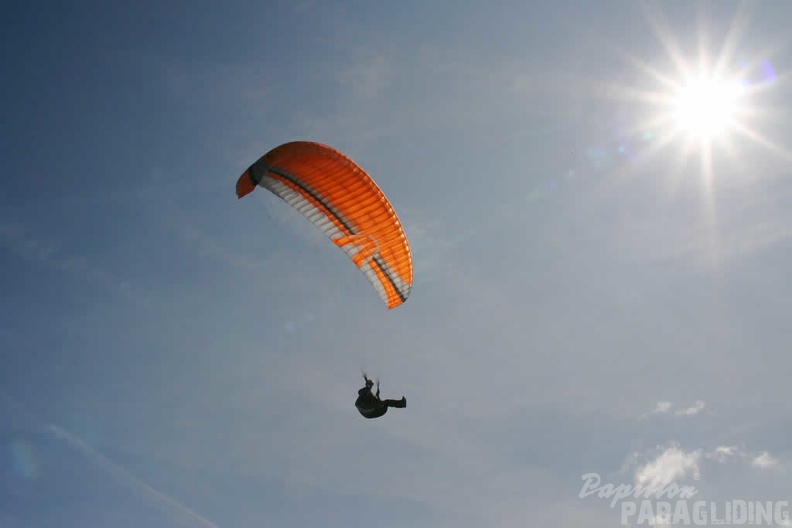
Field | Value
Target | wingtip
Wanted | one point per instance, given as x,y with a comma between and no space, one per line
244,185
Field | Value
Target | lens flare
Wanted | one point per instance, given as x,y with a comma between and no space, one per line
24,460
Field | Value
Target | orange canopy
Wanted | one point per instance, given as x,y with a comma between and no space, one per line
341,199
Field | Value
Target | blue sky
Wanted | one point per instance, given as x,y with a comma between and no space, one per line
594,290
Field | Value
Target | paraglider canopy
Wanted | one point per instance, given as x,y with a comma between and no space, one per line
344,202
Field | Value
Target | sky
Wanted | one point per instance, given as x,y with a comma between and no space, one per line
600,279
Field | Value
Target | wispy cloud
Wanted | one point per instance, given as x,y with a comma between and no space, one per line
662,407
199,82
25,243
210,247
666,407
765,461
122,475
724,453
692,410
369,76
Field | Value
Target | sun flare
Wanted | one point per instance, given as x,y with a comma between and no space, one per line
705,108
707,101
701,106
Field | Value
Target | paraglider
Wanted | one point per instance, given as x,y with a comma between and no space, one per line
370,405
344,202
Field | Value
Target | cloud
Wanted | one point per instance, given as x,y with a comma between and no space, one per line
675,462
212,248
672,464
236,85
369,77
765,461
664,407
692,410
723,453
19,239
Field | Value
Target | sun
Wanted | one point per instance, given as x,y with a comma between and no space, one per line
697,109
705,108
705,101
